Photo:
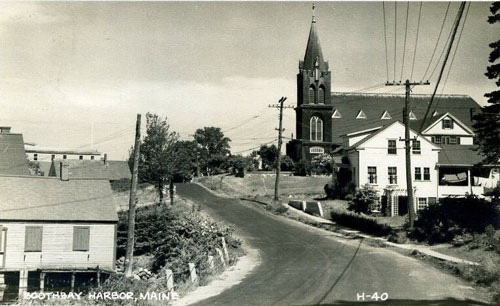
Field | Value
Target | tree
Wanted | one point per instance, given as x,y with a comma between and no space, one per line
155,167
487,123
268,155
287,163
181,164
363,199
213,148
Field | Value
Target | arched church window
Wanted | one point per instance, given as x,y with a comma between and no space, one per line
321,95
311,95
316,129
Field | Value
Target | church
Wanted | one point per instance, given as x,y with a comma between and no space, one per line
324,118
363,132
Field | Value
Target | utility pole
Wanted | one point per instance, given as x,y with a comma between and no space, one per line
407,140
278,159
129,257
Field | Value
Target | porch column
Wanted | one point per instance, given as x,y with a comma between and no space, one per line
42,281
469,181
23,282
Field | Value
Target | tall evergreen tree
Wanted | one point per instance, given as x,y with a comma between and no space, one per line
487,123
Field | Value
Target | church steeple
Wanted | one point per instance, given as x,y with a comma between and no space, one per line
313,50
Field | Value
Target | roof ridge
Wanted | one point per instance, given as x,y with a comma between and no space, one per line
367,94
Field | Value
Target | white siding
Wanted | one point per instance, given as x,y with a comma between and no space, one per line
373,153
57,247
437,129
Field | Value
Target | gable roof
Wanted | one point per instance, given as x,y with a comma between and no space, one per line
13,159
50,199
357,144
374,104
111,170
434,120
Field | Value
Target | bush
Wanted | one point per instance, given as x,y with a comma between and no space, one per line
452,217
287,163
302,168
363,199
360,223
322,164
175,240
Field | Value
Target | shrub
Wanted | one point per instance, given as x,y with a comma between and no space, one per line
287,163
322,164
455,216
363,199
302,168
360,223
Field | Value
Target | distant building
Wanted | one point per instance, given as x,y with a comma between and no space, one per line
47,154
13,159
53,230
111,170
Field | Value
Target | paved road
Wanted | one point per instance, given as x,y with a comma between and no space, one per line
305,266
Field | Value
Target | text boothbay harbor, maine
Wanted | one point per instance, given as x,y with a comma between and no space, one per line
99,296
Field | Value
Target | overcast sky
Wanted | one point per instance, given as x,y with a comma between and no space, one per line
65,66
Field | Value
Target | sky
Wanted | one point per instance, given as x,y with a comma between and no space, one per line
75,74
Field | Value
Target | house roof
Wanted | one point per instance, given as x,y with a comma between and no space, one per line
13,159
52,150
459,155
415,124
349,104
50,199
111,170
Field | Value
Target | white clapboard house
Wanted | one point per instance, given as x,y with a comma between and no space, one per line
442,158
55,230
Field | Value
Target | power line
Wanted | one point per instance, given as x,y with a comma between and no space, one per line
437,41
416,41
455,28
404,45
385,40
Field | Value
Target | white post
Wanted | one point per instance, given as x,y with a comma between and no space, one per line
211,262
224,248
170,281
192,273
221,256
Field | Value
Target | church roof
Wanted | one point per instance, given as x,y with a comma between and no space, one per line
349,104
313,50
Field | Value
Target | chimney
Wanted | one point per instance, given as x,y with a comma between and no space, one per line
4,129
64,175
105,158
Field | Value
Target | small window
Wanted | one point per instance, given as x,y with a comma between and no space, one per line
386,116
321,96
436,139
412,116
92,157
81,237
361,115
415,148
393,175
372,175
80,157
52,157
33,239
336,114
427,174
311,95
453,140
422,203
391,146
447,124
316,150
418,174
65,156
35,156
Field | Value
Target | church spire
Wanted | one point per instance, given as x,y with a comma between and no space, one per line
313,51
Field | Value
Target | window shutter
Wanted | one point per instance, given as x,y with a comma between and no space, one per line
81,235
33,239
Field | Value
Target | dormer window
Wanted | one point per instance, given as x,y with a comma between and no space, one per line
361,115
336,114
447,124
386,116
412,116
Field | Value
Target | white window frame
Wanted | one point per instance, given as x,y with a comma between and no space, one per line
392,178
315,126
422,203
316,150
372,176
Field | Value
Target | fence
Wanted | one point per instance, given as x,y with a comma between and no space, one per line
220,260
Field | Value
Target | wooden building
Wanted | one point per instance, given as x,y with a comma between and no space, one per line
55,228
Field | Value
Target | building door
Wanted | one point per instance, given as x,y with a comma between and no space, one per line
402,205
